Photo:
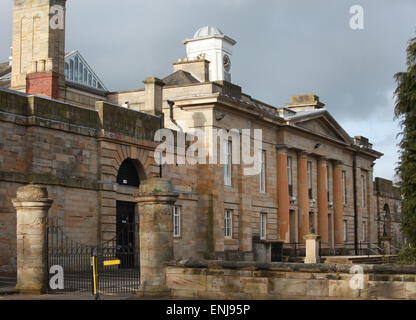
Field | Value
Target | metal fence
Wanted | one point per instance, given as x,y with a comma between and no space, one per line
118,268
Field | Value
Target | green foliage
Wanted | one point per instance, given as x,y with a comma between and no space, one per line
405,111
407,256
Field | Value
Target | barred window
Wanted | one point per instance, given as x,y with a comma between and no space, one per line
228,224
289,175
263,226
228,161
176,221
263,172
344,187
310,179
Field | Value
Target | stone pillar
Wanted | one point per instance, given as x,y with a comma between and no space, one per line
155,201
322,200
338,205
312,249
32,205
283,194
303,195
386,244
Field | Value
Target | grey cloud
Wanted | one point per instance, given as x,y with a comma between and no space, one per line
284,47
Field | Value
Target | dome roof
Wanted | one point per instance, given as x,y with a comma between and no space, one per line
208,31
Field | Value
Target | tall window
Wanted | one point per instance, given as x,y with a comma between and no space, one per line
344,187
310,179
364,235
263,226
328,185
228,161
363,192
176,222
228,224
345,230
263,172
290,175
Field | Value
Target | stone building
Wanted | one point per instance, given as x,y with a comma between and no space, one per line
60,127
389,211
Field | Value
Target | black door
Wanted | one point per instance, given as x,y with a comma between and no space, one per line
126,233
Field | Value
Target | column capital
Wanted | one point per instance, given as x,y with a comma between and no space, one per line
323,159
338,163
156,191
282,148
303,153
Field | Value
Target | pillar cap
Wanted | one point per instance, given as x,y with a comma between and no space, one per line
156,190
312,236
32,193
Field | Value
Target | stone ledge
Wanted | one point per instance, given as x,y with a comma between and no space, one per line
389,269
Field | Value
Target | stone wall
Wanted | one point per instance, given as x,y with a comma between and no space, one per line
230,280
75,152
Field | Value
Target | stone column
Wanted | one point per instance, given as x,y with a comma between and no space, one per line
312,249
283,194
303,195
155,201
338,205
322,200
32,205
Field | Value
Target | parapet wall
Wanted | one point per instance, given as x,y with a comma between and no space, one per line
244,280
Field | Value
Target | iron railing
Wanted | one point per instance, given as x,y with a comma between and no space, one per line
74,259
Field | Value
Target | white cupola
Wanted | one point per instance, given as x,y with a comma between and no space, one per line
216,47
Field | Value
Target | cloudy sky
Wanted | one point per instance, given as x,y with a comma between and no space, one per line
285,47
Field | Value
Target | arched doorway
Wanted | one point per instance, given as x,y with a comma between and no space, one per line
129,176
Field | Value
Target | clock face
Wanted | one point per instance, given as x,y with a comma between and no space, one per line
227,63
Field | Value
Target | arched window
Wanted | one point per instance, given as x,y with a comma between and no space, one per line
127,174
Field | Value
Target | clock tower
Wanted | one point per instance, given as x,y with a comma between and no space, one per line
216,47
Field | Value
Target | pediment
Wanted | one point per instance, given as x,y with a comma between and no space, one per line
325,125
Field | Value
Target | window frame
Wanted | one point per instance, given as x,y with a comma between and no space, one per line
228,164
177,222
344,188
263,226
310,179
345,228
228,224
290,175
262,177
